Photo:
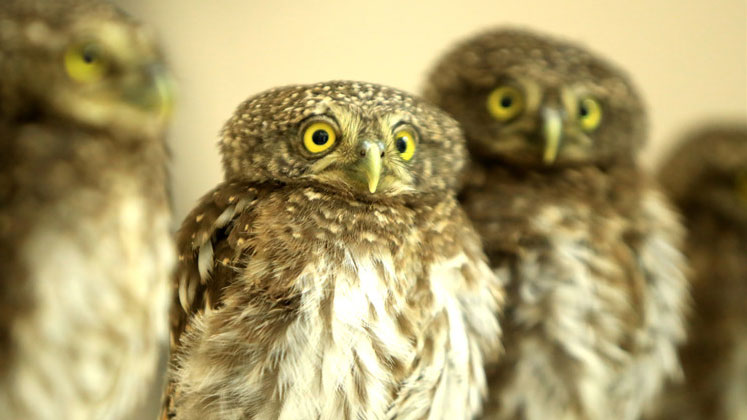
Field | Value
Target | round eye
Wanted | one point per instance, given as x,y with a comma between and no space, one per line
85,63
405,143
589,114
319,137
505,103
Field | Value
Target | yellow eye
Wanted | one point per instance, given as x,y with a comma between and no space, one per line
319,137
589,114
505,103
85,63
405,143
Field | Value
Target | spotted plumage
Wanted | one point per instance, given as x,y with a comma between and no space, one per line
85,247
341,283
588,247
706,176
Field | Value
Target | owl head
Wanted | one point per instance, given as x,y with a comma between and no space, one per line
79,61
360,139
707,172
530,100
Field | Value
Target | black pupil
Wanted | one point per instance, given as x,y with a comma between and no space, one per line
506,101
583,111
402,144
89,55
320,137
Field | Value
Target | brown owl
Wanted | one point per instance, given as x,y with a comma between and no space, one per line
588,247
707,178
85,249
333,274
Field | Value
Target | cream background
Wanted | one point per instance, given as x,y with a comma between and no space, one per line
689,58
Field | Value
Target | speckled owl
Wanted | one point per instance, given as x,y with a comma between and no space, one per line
589,249
85,247
333,274
706,176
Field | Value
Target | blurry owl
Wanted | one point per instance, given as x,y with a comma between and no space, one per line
333,274
589,249
706,177
85,248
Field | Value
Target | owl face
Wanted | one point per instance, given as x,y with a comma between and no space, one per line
355,138
708,172
533,101
83,61
723,191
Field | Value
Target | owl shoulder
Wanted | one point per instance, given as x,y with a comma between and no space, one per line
210,242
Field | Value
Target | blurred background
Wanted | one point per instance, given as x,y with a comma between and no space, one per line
689,58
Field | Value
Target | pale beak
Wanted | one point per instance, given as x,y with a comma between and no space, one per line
370,164
552,131
164,86
154,91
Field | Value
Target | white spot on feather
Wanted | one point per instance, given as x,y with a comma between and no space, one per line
205,260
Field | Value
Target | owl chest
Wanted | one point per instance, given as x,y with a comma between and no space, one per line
579,248
575,305
346,350
103,245
573,273
361,327
99,282
365,312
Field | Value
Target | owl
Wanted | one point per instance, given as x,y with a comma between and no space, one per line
588,248
333,274
707,178
85,246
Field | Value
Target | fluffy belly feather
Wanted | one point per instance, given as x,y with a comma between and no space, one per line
100,292
357,349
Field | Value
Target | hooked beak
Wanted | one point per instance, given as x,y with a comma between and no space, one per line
552,131
372,166
164,86
154,93
368,166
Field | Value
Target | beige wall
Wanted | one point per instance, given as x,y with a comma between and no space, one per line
688,57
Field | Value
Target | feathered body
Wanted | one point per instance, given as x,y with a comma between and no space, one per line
302,295
84,218
706,176
589,329
590,250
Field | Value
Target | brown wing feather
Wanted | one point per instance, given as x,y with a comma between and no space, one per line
211,243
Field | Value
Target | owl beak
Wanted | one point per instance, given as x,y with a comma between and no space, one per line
369,163
552,131
154,91
163,84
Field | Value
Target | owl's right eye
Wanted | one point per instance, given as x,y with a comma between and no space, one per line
505,102
319,137
86,63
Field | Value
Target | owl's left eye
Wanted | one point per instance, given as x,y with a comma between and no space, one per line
86,63
404,140
319,137
589,114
